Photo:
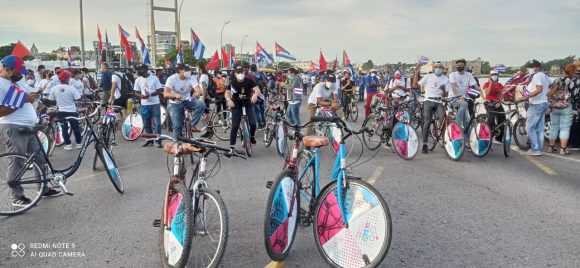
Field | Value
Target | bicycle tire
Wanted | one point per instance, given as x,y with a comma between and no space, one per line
7,160
353,111
433,137
281,218
44,142
222,235
371,226
177,204
163,115
305,185
454,141
281,139
269,133
405,141
507,140
132,127
376,132
245,133
520,134
480,139
222,129
111,168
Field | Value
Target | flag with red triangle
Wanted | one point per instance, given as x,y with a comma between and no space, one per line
322,62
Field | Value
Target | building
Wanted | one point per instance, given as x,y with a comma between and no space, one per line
164,44
555,71
304,65
34,51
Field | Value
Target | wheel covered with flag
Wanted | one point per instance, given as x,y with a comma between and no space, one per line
454,141
132,127
480,139
405,141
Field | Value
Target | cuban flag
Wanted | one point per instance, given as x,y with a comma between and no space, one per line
283,53
70,59
472,91
198,48
422,60
352,72
144,49
313,67
262,56
179,57
15,97
125,43
500,68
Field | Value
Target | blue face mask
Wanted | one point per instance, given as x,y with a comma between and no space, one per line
438,71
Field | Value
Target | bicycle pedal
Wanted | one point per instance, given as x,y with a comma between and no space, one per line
157,223
269,184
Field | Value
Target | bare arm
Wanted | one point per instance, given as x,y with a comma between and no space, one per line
168,94
4,111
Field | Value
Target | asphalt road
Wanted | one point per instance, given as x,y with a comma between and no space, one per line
479,212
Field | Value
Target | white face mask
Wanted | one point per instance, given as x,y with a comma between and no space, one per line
188,74
30,82
531,70
373,75
494,78
328,84
240,77
438,71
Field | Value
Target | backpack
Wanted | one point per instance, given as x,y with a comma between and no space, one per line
92,83
126,85
561,97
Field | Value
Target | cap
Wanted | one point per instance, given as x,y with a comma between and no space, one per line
64,75
397,72
494,72
373,71
143,67
15,64
534,64
330,78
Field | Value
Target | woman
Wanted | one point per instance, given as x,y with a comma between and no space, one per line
492,89
561,114
46,79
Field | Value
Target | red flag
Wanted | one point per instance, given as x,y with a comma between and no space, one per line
100,44
312,67
335,63
225,58
20,50
125,43
322,62
166,63
345,59
214,62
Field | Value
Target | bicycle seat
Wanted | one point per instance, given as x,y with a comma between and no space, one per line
52,111
315,141
185,148
30,130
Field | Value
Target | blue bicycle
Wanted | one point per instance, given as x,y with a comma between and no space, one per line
350,218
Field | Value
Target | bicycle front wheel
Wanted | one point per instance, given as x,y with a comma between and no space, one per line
111,168
132,127
454,141
480,139
245,133
520,134
176,226
222,124
362,242
281,140
405,141
372,139
281,216
23,186
353,111
507,140
210,229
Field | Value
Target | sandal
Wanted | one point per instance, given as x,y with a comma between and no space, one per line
564,151
553,149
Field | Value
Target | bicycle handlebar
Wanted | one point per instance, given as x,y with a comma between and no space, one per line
339,123
212,145
81,118
447,99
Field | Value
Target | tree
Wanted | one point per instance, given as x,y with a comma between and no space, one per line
368,65
485,67
7,50
283,65
187,55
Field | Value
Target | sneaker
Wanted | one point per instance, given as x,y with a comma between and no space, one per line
533,153
425,149
52,193
159,145
252,141
147,144
207,134
68,147
21,202
79,146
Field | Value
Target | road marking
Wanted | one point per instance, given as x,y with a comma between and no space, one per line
375,175
104,172
543,167
274,264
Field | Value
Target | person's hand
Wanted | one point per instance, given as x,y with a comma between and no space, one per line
230,103
254,98
146,96
334,107
497,105
32,97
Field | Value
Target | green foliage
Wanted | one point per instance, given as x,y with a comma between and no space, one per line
485,67
6,50
546,66
368,65
187,55
283,65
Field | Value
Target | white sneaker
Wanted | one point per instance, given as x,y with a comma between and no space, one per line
68,147
533,153
79,146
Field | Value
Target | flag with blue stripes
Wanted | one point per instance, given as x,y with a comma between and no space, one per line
198,47
473,92
500,68
15,97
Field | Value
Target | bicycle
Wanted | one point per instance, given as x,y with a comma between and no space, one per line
351,221
219,123
244,129
351,109
275,129
449,134
186,214
28,172
132,127
107,129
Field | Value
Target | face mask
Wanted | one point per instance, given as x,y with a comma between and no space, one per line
328,84
240,76
438,71
397,76
494,78
30,82
531,70
460,69
373,75
141,73
188,74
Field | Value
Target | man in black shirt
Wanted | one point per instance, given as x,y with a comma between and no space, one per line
347,87
242,92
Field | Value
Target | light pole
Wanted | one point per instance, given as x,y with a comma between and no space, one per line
242,46
221,41
178,23
82,35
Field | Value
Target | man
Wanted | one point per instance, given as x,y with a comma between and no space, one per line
65,96
324,94
293,92
397,87
305,83
148,88
539,87
347,87
11,118
241,87
38,75
461,80
371,85
88,83
75,81
178,90
436,85
106,83
259,108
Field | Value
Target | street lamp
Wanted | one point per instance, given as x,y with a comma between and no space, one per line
221,41
178,23
242,46
82,35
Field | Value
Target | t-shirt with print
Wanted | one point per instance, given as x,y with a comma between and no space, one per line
148,86
25,116
463,81
242,89
431,83
320,91
65,96
539,79
183,87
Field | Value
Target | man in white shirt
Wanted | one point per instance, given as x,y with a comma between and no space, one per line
461,80
539,87
14,115
65,96
398,87
38,75
436,86
148,88
324,94
178,90
305,83
76,81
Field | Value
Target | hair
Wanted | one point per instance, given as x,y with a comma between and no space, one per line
461,61
202,68
534,64
46,75
77,71
41,67
56,69
570,69
182,66
85,70
106,65
253,68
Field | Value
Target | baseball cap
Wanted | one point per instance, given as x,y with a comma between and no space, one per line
15,63
534,64
493,72
64,75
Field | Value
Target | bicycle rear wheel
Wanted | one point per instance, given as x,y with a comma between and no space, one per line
281,139
365,240
132,127
372,140
163,115
507,139
405,141
269,132
454,141
176,226
11,164
210,229
222,124
353,111
110,167
521,134
245,133
281,216
480,139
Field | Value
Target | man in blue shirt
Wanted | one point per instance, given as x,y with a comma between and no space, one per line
371,85
106,83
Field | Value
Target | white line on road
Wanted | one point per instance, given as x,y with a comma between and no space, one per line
103,172
375,175
517,149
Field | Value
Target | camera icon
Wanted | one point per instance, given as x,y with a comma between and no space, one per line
17,250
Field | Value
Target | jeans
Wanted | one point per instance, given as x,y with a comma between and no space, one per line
462,118
74,124
561,122
347,98
293,113
151,113
416,92
237,118
535,125
259,113
305,89
177,112
220,102
361,93
428,107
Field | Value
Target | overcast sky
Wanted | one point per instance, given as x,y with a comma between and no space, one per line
509,32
